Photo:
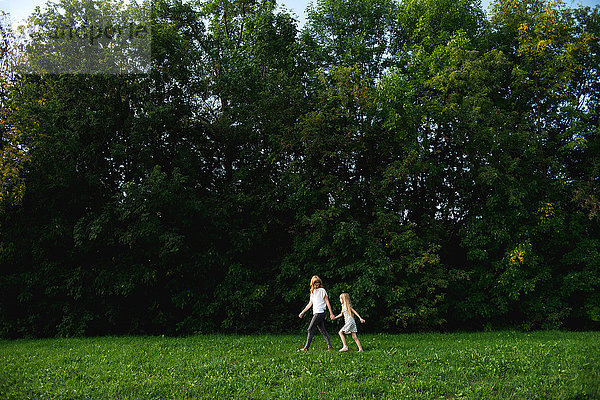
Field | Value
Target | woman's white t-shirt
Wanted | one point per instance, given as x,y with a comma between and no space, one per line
318,300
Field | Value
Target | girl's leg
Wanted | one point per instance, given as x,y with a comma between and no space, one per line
357,341
345,347
314,322
323,331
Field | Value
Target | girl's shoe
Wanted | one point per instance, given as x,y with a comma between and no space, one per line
302,349
344,349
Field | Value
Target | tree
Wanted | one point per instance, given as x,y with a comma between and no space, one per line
352,33
440,166
13,152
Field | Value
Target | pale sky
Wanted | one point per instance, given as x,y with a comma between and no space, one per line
20,9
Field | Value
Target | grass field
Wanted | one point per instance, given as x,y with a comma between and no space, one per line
498,365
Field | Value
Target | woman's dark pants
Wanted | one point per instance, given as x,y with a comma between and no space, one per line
318,320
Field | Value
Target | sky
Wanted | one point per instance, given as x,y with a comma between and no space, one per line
20,9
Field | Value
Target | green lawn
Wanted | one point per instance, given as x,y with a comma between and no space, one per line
498,365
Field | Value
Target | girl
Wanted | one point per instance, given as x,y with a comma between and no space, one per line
318,301
350,324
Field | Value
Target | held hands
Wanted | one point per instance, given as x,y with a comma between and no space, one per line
333,317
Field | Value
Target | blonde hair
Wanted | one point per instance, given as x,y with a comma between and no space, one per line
313,281
345,298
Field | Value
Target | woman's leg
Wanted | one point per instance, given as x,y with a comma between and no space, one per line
314,322
323,331
357,341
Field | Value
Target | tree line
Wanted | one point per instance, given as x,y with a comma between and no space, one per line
440,164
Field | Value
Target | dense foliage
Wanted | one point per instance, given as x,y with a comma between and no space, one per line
440,165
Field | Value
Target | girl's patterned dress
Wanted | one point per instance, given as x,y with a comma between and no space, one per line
349,323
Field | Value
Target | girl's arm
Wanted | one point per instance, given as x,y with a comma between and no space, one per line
359,317
331,316
338,316
305,309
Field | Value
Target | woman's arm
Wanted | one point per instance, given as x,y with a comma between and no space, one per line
331,316
359,317
305,309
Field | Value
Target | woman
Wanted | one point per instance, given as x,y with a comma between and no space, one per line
318,301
